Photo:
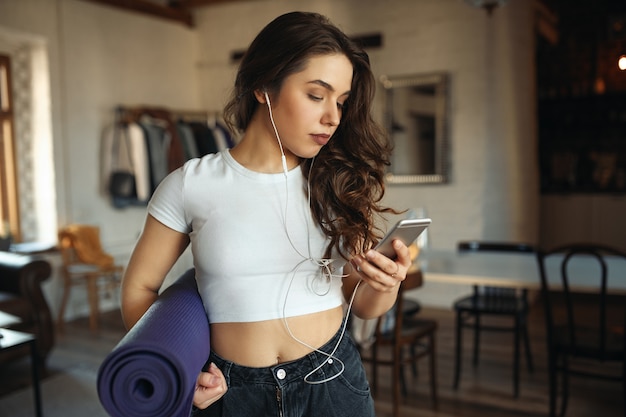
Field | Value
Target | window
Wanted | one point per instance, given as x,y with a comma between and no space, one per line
9,209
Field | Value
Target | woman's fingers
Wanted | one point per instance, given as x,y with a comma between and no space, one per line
210,387
381,272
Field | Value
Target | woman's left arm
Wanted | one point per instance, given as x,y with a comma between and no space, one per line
381,278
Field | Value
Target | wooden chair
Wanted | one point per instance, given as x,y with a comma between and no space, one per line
585,333
494,302
408,333
86,263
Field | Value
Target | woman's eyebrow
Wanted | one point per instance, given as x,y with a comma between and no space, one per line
327,86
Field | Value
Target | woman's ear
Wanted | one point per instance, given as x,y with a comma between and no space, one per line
260,96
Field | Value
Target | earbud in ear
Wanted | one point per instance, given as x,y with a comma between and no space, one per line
267,97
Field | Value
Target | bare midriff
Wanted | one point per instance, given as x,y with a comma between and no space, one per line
267,343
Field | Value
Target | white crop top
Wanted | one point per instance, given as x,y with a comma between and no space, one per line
247,266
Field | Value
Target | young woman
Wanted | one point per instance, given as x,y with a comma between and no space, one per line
281,229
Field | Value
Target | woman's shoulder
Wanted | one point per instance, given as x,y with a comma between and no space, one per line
204,163
193,172
186,188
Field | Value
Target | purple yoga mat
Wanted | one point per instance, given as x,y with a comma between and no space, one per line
152,371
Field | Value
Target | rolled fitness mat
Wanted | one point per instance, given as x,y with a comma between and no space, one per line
152,371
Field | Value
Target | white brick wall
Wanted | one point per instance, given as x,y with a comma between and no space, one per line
492,193
101,57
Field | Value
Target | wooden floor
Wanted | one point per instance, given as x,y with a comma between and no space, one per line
485,391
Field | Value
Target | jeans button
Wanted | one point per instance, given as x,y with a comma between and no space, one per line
281,374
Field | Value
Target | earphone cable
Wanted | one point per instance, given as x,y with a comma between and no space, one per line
280,144
322,263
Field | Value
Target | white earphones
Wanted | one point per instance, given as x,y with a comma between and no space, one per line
282,152
324,264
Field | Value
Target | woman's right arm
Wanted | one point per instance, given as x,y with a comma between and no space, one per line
156,251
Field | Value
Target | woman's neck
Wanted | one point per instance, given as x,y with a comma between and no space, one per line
258,150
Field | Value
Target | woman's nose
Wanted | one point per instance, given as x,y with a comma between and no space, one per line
332,116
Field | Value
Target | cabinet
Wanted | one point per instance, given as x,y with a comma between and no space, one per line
590,218
582,144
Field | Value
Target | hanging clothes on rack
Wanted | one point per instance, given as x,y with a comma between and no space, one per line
124,164
209,133
157,140
189,143
163,117
145,144
204,138
222,135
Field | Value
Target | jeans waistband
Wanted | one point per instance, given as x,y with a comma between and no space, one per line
284,373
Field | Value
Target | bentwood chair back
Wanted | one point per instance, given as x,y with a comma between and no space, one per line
409,337
486,301
584,331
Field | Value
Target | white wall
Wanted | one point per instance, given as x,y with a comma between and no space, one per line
101,57
492,193
113,57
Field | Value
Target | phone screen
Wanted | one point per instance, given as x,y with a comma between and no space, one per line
406,230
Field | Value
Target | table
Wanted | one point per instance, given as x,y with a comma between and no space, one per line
11,339
7,319
519,270
33,248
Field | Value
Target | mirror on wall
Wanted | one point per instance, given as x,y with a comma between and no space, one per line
416,120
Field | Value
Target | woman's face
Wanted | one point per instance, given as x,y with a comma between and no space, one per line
308,108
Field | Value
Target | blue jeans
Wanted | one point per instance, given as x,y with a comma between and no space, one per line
281,391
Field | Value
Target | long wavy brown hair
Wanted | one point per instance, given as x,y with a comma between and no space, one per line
346,178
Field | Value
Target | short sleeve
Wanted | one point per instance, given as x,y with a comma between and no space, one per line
167,202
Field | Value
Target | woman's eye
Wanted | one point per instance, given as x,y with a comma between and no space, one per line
314,97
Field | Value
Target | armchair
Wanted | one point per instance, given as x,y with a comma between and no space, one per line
21,295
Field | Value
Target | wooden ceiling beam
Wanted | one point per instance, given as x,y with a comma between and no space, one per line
189,4
177,13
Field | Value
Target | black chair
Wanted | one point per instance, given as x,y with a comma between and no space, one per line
409,331
584,331
493,301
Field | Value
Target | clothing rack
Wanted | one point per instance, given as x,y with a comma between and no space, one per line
131,114
148,142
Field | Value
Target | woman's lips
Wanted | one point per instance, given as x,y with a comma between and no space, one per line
321,139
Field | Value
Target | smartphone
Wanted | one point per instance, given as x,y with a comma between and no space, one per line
406,230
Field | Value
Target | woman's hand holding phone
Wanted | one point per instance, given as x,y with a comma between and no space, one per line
406,230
